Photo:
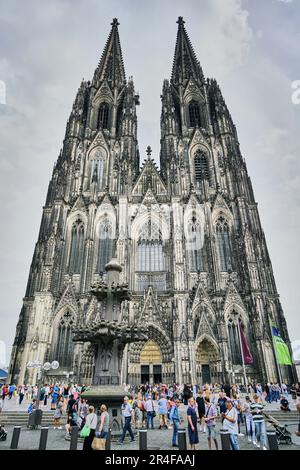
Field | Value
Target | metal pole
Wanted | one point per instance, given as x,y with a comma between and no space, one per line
275,355
225,439
272,440
43,438
15,437
181,439
74,437
242,352
143,439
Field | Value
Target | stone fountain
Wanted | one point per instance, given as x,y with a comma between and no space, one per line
109,333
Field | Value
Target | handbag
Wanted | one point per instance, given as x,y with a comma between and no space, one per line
98,443
153,411
85,431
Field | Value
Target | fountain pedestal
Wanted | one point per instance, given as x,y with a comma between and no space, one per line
108,333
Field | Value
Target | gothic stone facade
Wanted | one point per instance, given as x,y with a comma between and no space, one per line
188,236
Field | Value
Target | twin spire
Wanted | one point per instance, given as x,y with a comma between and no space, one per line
185,64
111,65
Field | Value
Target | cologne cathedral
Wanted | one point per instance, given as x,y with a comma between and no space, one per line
187,235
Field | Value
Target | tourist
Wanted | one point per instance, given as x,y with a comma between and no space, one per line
138,411
201,409
58,413
104,422
149,407
230,424
222,403
54,395
91,423
11,390
256,409
210,419
192,423
175,420
128,416
83,409
72,405
21,394
249,420
284,404
163,412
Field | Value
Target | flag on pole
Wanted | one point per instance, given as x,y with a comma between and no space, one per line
247,356
281,348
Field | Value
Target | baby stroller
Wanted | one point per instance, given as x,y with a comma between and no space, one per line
3,434
283,435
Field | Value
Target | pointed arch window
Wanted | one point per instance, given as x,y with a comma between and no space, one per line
201,168
105,245
224,246
77,247
98,172
150,261
197,254
194,114
234,342
103,116
64,345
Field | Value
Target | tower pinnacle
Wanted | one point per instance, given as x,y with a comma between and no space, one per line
185,64
111,66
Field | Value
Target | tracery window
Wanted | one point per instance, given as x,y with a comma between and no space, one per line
77,247
234,342
103,116
150,261
64,344
194,114
201,168
105,245
195,246
224,246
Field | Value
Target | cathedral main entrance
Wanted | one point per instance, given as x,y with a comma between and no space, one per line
207,362
151,363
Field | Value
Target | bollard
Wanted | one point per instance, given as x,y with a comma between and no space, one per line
143,439
43,438
15,437
181,439
74,437
225,439
272,440
108,440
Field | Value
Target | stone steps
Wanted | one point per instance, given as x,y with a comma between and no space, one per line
20,418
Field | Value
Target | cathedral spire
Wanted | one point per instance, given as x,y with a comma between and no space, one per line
185,64
111,66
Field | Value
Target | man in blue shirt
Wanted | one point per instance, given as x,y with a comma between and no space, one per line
163,412
175,420
127,414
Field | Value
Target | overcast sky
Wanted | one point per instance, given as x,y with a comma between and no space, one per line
250,46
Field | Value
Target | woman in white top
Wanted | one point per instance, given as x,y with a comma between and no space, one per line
91,422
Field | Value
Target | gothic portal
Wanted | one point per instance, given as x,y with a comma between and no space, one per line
188,236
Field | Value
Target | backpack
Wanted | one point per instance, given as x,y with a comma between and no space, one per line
30,408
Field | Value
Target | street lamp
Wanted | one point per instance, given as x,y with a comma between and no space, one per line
40,367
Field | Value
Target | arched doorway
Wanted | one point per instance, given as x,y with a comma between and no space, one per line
151,363
207,362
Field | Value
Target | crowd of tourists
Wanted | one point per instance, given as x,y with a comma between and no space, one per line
232,406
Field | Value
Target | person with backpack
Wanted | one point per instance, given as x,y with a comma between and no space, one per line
149,407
